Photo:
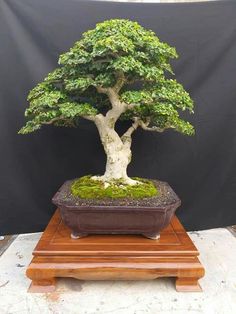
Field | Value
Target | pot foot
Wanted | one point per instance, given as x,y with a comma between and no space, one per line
76,235
152,236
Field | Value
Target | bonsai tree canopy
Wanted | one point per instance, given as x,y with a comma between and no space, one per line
116,71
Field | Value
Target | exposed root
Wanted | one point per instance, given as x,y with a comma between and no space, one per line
121,181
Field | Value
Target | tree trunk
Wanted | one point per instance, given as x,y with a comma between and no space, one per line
118,158
118,153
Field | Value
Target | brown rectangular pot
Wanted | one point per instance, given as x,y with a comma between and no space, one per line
115,219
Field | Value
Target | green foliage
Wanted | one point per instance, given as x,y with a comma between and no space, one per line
71,110
159,103
112,48
85,187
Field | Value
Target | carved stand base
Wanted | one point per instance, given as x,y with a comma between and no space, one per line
114,257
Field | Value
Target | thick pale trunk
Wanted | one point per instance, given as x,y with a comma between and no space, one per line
116,148
118,153
118,158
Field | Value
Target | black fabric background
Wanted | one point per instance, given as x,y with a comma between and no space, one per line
201,169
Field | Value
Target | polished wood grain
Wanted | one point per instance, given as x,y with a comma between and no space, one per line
114,257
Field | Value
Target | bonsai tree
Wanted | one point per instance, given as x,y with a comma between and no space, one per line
116,71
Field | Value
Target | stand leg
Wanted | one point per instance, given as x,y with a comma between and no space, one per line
187,285
42,285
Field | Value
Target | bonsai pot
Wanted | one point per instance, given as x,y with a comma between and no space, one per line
147,216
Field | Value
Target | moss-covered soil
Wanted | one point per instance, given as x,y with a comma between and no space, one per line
88,188
165,196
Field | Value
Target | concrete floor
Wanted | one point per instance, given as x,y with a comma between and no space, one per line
218,255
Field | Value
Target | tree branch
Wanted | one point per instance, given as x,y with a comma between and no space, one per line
60,118
90,118
145,127
87,117
102,90
127,135
118,107
53,120
110,92
120,81
130,106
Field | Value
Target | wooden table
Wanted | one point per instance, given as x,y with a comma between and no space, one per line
114,257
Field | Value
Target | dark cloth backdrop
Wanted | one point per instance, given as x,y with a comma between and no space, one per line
201,169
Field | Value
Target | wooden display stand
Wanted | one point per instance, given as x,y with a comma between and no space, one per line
114,257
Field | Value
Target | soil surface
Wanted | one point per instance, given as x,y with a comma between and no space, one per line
165,196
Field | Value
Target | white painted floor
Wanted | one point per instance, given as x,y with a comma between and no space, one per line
218,255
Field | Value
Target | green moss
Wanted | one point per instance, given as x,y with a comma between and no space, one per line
85,187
